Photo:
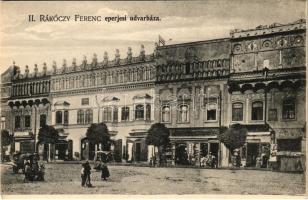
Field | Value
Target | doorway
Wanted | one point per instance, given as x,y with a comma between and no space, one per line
214,148
252,154
138,151
181,156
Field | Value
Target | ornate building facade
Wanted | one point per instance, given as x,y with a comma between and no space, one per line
118,92
255,77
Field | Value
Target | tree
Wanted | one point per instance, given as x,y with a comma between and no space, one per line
158,135
6,139
233,137
48,134
99,134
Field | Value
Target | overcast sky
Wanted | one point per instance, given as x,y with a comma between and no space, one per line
29,43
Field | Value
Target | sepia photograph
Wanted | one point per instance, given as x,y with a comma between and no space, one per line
153,98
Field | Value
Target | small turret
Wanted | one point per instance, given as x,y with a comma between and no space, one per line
129,55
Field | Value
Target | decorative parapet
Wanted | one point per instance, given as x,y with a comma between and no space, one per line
85,65
273,28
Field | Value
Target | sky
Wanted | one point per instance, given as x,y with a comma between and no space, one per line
29,43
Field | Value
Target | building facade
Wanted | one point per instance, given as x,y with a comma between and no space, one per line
255,77
118,92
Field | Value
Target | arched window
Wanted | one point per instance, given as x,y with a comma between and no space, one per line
183,114
288,108
139,112
80,117
59,117
257,110
107,112
88,116
166,114
148,112
125,114
237,112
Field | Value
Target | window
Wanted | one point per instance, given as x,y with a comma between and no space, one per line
266,63
85,101
187,68
166,114
237,112
17,122
42,120
65,117
272,115
211,109
257,111
88,116
80,117
27,121
148,112
183,114
125,114
115,114
139,112
288,109
59,117
107,111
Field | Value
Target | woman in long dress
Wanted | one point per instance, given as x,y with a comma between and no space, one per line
105,172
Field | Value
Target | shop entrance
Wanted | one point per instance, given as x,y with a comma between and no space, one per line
252,154
181,156
214,147
138,151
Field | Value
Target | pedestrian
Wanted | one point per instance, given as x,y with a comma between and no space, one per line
87,173
28,171
105,172
83,176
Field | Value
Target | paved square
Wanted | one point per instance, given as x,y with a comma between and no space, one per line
65,179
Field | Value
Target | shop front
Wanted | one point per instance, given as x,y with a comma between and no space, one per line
137,149
23,142
190,145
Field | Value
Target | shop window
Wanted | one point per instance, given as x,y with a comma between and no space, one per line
257,110
85,101
148,112
80,117
107,113
42,120
17,122
27,121
183,114
125,114
65,117
115,114
293,145
237,112
139,112
272,115
288,109
166,114
59,117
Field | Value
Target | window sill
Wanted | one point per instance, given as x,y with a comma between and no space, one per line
183,122
288,120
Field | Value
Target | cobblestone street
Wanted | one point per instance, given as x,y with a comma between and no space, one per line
65,179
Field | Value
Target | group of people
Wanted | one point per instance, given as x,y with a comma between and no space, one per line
86,172
34,171
209,160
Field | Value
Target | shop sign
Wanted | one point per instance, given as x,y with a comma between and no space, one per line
22,134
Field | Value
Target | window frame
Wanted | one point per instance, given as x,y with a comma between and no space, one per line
125,113
59,112
288,111
233,111
254,111
139,112
180,114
